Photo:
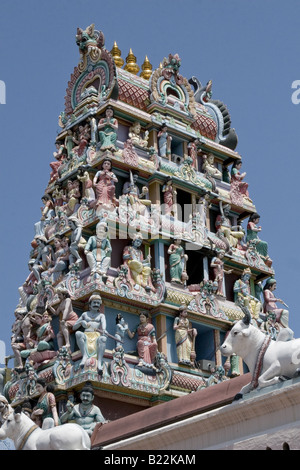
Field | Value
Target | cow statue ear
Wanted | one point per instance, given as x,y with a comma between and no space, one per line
246,332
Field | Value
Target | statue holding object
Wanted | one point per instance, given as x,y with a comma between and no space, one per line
92,341
185,336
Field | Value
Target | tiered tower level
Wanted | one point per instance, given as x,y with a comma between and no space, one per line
143,211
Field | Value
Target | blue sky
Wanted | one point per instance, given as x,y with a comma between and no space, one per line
248,48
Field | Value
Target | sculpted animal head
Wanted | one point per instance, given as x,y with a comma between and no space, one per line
9,426
236,341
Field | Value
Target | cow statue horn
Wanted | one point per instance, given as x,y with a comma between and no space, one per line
247,318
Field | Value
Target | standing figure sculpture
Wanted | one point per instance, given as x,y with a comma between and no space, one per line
169,193
218,269
185,336
104,183
121,328
86,414
146,343
270,306
164,142
77,241
87,193
107,128
177,260
98,250
44,257
71,198
46,405
67,317
92,341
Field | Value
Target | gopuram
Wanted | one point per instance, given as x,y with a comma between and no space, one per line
147,249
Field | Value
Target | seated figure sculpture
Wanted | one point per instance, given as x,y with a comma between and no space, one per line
98,250
136,199
86,414
243,296
136,137
233,234
107,128
139,268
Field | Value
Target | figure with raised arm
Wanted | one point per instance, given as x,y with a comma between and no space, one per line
270,305
86,414
67,317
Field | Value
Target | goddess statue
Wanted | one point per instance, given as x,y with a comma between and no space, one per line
177,260
146,343
185,337
107,128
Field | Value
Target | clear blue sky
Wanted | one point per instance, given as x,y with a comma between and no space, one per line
248,48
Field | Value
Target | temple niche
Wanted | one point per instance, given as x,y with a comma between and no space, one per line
147,246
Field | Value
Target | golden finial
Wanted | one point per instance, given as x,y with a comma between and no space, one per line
131,65
146,69
116,53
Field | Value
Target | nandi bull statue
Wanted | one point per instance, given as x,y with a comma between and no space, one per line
26,435
268,361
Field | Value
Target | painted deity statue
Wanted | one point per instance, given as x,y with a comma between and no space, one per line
87,193
209,168
169,193
71,198
177,261
121,328
185,336
48,213
136,137
44,348
140,268
77,241
61,257
137,200
252,234
92,341
238,187
46,405
67,317
218,269
104,183
270,306
86,414
107,128
21,339
44,257
233,234
164,142
243,296
146,343
98,250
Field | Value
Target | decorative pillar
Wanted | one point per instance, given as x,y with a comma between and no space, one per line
159,254
205,268
161,328
218,355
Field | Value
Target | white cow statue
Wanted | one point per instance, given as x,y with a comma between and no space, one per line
268,361
28,436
